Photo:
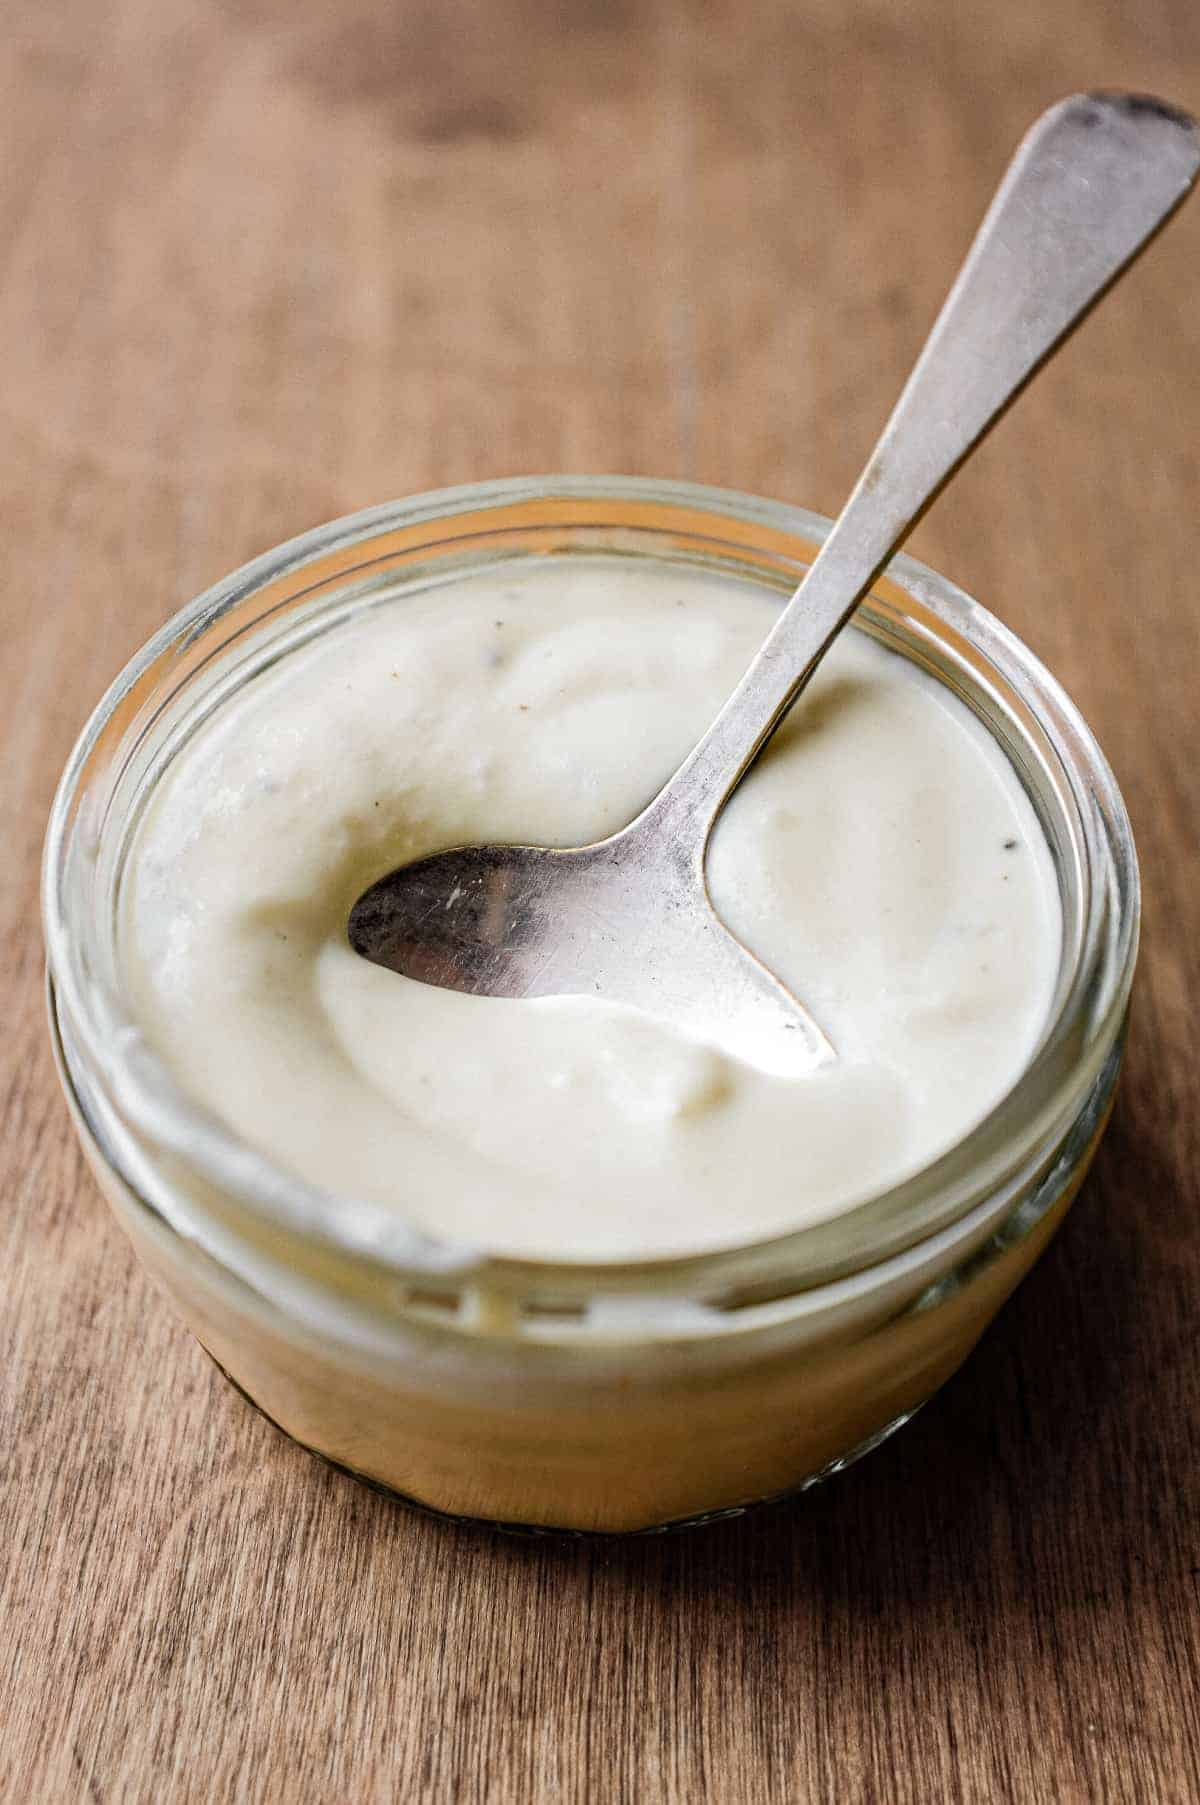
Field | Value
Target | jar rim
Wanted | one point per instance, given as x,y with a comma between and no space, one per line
101,1035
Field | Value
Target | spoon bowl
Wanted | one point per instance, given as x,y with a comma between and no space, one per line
603,920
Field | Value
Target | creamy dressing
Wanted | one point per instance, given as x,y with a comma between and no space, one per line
883,859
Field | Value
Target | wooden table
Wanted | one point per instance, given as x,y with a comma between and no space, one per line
265,261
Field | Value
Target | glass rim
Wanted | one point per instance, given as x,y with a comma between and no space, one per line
1084,1024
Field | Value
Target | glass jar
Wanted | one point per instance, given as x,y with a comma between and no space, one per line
560,1394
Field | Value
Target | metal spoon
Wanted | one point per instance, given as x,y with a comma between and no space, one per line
629,918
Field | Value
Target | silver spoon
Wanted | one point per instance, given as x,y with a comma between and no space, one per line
629,918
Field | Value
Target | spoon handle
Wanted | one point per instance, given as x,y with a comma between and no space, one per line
1092,181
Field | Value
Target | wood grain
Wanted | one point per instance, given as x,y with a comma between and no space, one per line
263,261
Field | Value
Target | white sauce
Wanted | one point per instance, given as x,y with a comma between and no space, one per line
883,859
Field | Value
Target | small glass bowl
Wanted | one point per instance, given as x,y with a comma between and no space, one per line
611,1397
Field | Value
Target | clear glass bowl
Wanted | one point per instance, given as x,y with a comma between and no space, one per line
565,1395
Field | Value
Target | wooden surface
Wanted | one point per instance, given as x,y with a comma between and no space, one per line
264,262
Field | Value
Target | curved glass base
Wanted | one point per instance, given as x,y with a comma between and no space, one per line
551,1529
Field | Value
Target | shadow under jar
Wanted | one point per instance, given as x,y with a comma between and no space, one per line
552,1393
